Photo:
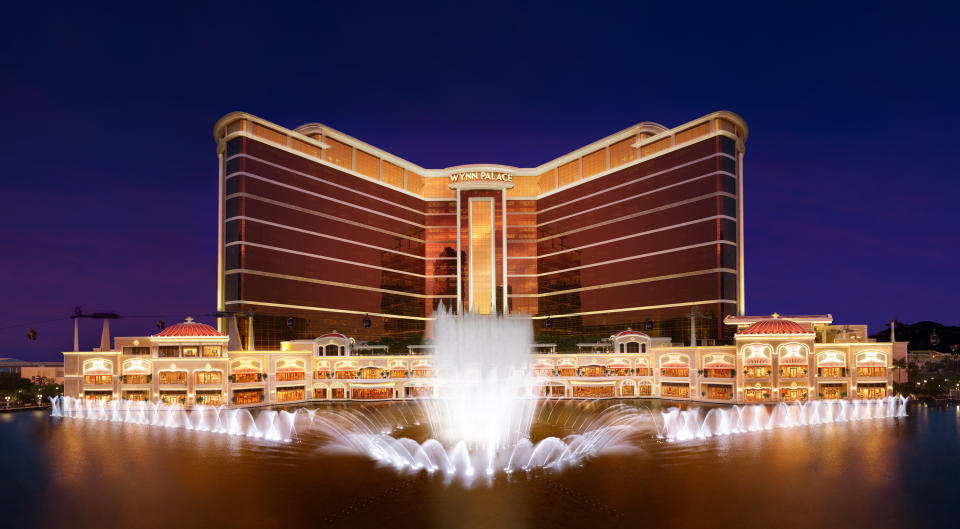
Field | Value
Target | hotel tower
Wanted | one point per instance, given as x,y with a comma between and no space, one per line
334,257
319,231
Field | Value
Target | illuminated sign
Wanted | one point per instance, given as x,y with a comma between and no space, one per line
481,176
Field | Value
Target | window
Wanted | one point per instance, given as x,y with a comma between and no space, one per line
756,371
330,350
623,151
871,371
173,377
286,376
372,393
793,371
871,391
593,392
833,391
675,372
793,395
832,371
96,379
289,394
168,351
550,391
593,371
173,397
135,395
210,398
368,165
211,350
136,350
719,392
481,255
98,395
252,396
370,372
190,351
675,390
756,394
418,391
718,373
135,379
246,378
339,153
207,377
633,347
346,373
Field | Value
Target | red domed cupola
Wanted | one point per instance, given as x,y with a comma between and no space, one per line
190,329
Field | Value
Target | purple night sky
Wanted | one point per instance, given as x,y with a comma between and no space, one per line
109,163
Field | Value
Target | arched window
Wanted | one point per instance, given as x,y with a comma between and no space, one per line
245,371
97,371
757,360
398,369
630,342
331,350
871,364
793,360
345,370
567,368
675,365
719,365
176,377
290,369
832,364
136,371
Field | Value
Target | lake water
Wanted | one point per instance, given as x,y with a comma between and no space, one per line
67,473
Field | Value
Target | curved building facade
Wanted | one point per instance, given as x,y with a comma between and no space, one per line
321,232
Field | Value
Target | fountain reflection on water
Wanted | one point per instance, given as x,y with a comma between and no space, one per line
480,422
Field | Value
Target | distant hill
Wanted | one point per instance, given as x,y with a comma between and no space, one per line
918,334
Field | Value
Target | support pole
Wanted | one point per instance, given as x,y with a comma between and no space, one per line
105,336
693,329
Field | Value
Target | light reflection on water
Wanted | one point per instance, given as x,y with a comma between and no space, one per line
882,473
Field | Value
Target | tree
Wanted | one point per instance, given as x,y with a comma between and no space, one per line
13,382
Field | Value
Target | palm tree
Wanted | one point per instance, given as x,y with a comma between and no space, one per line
900,363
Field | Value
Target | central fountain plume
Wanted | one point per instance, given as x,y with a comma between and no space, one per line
481,415
483,383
